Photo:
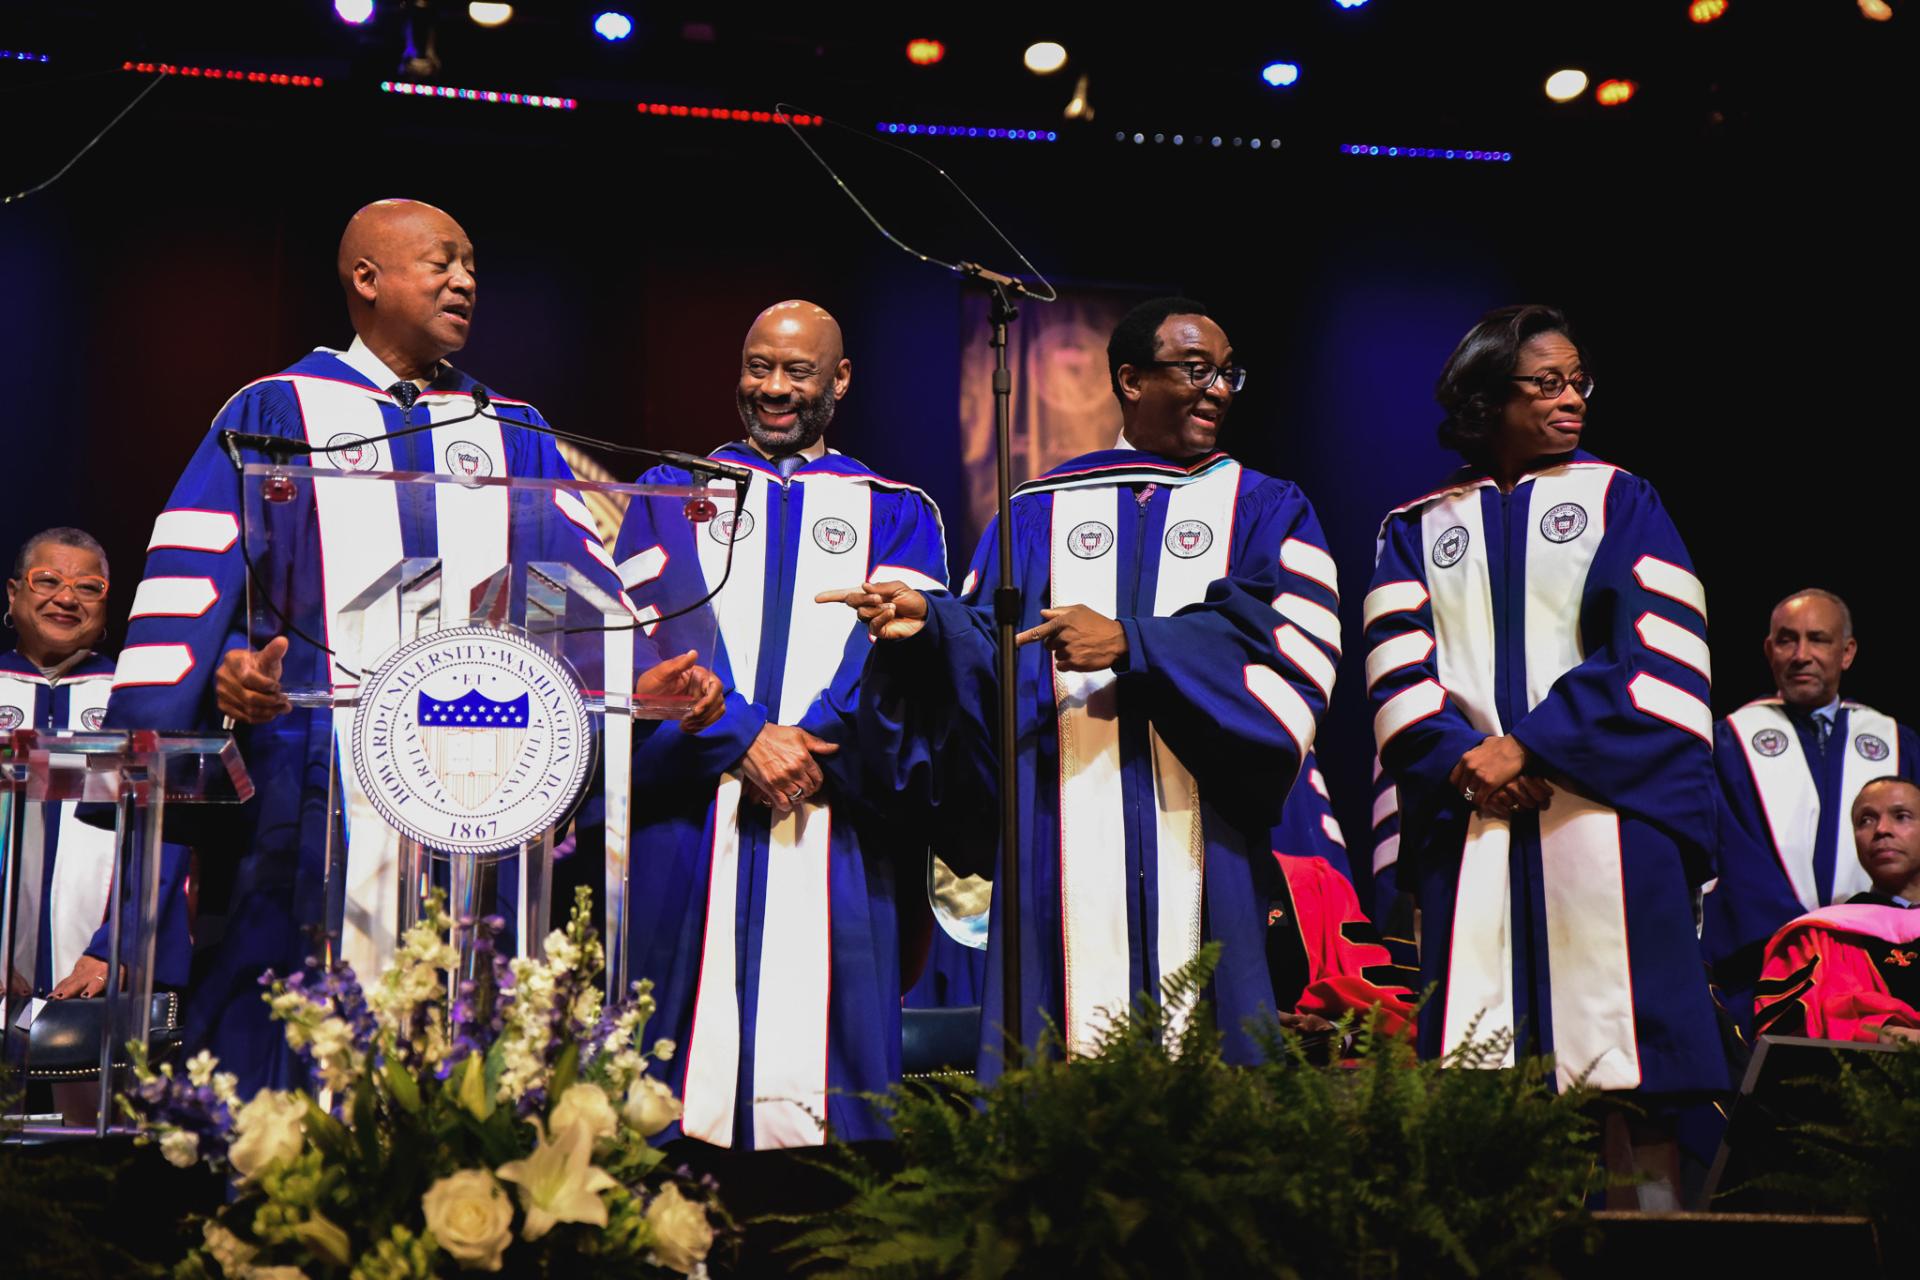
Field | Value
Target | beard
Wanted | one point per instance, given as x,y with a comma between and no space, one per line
810,419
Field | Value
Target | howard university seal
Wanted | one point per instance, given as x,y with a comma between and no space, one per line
1564,523
1090,540
1189,538
1871,747
1450,546
471,740
1769,742
724,528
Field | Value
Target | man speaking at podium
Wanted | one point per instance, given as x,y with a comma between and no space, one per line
407,269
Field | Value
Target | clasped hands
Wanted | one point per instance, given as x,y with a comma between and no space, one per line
1488,777
246,686
1080,639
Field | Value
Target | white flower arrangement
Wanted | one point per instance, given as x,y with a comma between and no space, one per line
504,1129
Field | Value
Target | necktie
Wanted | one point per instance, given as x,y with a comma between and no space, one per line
406,393
788,463
1822,727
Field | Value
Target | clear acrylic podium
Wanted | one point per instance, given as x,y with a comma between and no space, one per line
134,778
455,625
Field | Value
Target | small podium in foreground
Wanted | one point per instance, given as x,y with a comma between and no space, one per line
133,778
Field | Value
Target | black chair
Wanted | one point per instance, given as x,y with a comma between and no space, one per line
939,1044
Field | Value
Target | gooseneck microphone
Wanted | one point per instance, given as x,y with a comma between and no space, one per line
282,448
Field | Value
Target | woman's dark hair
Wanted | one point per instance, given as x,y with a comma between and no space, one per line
1135,339
1478,379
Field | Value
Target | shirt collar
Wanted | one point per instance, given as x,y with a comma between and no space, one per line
359,357
1827,713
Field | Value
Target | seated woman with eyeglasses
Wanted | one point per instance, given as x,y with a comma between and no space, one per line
55,681
1537,664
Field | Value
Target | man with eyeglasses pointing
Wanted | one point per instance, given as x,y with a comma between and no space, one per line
1180,638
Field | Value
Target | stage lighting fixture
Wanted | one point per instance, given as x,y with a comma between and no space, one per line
924,53
1612,93
1349,4
353,11
1280,74
1079,106
611,25
1704,11
1876,10
1566,85
1045,57
489,15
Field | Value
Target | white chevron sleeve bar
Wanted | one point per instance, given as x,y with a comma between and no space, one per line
1402,651
1321,623
1391,597
1306,655
1676,642
192,530
173,598
1665,578
1286,706
1671,703
144,664
1310,561
1407,707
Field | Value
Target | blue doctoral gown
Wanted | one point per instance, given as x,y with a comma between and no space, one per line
1567,614
1786,830
77,877
1307,827
774,938
191,610
1147,793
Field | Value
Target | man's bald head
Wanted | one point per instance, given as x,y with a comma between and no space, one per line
407,270
800,323
793,372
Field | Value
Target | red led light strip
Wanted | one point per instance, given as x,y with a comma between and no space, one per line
225,73
725,113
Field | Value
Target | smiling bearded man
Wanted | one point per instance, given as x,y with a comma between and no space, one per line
1181,632
770,921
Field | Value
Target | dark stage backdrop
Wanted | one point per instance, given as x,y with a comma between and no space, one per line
1742,301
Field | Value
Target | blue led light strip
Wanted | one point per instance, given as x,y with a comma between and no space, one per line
15,55
966,131
1424,153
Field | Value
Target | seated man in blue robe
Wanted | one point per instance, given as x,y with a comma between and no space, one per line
1790,768
1179,637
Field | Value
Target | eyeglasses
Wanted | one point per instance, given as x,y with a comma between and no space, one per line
1549,385
1202,374
90,587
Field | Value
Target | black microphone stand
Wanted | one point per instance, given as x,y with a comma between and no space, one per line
1002,312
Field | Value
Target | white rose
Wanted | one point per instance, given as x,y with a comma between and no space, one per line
681,1233
470,1217
584,1106
181,1148
268,1129
650,1106
229,1252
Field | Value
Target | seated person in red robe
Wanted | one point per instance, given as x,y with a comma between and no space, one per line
1852,971
1325,956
